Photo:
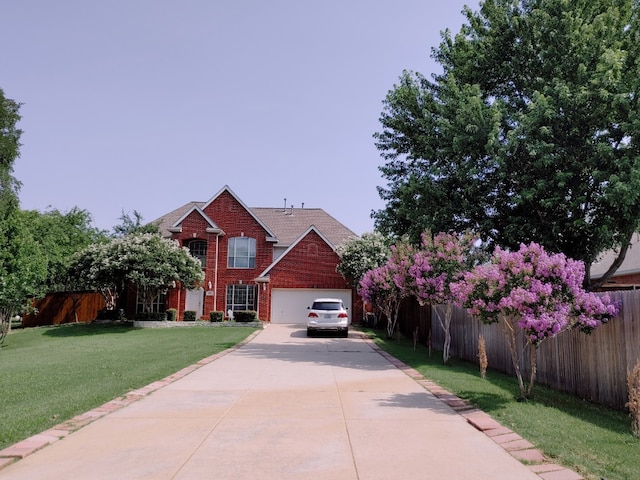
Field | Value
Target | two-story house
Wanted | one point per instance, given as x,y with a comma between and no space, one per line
271,260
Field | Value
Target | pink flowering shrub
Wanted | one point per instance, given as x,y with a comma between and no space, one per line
440,261
383,287
539,293
544,291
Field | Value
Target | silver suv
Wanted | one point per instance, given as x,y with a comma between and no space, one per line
327,315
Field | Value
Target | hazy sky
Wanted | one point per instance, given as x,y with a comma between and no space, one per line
149,104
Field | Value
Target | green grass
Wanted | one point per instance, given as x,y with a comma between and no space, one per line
592,440
51,374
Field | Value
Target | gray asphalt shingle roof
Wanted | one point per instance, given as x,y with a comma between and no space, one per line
286,224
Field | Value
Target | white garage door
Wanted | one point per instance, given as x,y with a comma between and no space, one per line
289,305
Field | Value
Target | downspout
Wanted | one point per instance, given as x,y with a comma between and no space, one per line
215,277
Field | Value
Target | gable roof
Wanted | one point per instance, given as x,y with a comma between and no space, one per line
212,226
237,199
286,225
290,223
312,228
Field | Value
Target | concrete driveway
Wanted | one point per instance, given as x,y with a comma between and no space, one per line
283,406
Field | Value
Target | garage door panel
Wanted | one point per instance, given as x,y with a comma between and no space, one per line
289,305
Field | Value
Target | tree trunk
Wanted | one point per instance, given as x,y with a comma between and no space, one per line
445,323
5,323
533,351
510,333
624,247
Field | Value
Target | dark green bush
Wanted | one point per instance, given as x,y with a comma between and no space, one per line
189,316
172,314
245,315
151,316
216,316
116,314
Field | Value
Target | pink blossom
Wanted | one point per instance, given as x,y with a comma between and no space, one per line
545,291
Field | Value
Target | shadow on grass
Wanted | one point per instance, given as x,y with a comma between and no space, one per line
499,391
487,401
84,329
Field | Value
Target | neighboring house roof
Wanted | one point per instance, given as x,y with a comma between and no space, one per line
631,263
286,225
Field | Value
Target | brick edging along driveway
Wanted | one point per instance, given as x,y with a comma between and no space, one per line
513,443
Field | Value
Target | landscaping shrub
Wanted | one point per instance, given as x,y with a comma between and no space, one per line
151,316
482,356
172,314
245,315
189,316
633,387
116,314
216,316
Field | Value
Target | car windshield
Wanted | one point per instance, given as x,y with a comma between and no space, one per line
326,306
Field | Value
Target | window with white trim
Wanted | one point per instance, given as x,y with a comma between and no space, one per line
198,249
242,252
241,297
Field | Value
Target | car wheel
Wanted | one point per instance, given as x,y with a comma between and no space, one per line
309,332
345,334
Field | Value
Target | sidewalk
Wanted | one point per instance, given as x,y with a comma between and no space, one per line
284,406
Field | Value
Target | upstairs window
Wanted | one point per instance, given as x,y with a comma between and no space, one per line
242,252
198,249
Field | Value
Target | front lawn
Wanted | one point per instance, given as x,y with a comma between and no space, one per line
51,374
592,440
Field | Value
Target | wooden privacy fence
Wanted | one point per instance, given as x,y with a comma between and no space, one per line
64,307
593,367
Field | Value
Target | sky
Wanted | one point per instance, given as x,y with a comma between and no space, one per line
145,105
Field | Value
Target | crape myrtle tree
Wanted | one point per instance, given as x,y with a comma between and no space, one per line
361,254
154,264
530,133
530,290
150,262
440,260
382,287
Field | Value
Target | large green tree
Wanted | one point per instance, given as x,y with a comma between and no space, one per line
23,268
133,224
529,133
62,234
9,152
18,251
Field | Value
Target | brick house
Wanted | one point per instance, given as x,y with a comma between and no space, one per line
272,260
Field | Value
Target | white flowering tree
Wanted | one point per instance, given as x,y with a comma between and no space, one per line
361,254
152,263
